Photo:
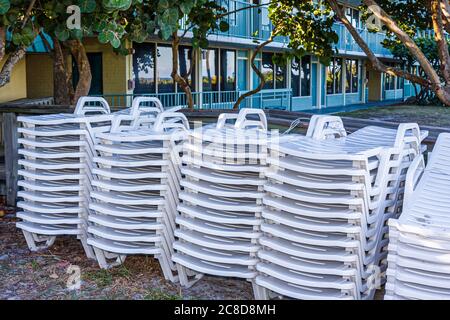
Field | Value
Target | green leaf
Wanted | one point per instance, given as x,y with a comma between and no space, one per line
115,42
151,27
62,33
166,32
203,43
163,5
224,26
76,34
17,39
186,6
102,37
4,6
87,6
110,35
170,16
113,5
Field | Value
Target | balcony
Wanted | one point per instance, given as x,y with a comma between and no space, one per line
347,44
251,23
254,23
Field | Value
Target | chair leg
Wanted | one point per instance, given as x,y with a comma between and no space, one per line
259,292
34,241
166,269
186,280
103,257
87,248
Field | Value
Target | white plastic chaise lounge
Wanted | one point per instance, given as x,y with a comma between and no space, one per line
57,164
326,204
418,260
56,150
221,201
135,196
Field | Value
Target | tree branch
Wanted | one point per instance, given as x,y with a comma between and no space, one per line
415,51
182,82
262,81
17,55
445,8
376,63
2,42
84,69
47,45
442,45
28,13
13,58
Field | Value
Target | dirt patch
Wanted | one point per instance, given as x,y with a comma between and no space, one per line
43,275
26,275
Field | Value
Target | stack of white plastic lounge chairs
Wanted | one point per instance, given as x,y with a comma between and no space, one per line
57,152
220,214
135,196
327,201
419,260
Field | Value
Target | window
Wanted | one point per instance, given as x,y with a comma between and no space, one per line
164,69
280,77
295,77
186,65
400,80
227,70
389,80
267,70
275,75
334,76
352,81
412,70
209,69
152,67
301,76
144,68
353,16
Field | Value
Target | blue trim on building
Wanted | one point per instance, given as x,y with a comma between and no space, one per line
354,107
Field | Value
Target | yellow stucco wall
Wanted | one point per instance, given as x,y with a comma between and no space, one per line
39,75
116,71
17,87
115,67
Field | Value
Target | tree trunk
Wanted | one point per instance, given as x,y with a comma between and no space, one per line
439,34
405,39
16,56
84,69
11,61
2,42
262,81
433,82
445,8
62,84
182,82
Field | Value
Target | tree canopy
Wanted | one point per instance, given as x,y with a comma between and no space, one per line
113,22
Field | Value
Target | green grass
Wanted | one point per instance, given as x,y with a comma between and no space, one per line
34,265
424,115
102,278
157,294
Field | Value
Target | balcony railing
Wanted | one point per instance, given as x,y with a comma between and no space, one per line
251,23
254,23
373,40
266,99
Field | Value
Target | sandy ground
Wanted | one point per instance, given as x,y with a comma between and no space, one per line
43,275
